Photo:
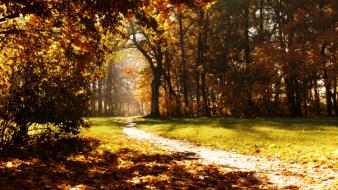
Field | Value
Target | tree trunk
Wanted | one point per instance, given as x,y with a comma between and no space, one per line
328,93
305,98
155,85
183,64
109,86
246,35
203,49
206,109
100,98
293,96
156,70
279,21
166,95
334,97
197,71
248,78
327,83
197,90
155,94
316,98
94,97
261,20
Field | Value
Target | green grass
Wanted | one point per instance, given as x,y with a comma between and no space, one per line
107,127
110,132
306,141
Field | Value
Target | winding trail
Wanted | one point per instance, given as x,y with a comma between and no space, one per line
282,174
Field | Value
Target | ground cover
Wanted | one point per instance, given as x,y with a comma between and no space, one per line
304,141
102,157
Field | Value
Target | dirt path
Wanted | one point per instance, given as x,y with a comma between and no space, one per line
279,173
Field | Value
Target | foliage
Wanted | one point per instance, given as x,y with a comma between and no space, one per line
50,51
249,58
46,76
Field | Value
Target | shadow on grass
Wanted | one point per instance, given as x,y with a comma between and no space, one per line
246,124
71,162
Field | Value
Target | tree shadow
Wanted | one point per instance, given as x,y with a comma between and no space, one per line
295,124
74,162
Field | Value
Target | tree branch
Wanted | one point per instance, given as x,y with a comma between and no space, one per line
15,15
139,47
149,43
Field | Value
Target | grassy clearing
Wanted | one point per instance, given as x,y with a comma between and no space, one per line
306,141
110,132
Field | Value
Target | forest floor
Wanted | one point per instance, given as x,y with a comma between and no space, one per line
283,174
103,157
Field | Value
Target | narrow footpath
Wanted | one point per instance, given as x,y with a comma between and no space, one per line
282,174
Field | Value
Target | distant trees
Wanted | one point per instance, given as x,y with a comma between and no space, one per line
113,93
252,58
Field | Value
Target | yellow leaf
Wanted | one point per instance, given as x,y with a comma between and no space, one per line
308,180
335,183
9,164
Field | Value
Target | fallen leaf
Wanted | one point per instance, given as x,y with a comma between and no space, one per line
9,164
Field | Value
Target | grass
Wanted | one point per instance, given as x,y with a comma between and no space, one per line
104,158
305,141
110,132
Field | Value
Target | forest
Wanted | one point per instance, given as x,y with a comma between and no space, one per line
91,79
236,58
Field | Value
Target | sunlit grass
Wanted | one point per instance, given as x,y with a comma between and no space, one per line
306,141
109,131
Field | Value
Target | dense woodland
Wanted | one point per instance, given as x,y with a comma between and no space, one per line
239,58
63,60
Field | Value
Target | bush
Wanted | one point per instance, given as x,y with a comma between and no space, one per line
39,95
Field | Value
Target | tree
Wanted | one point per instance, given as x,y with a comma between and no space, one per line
151,48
